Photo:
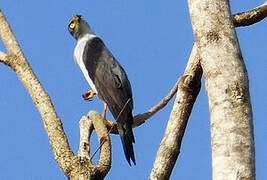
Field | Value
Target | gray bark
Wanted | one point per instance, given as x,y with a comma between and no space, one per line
228,91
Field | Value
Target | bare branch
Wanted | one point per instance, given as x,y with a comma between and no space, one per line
250,17
8,36
104,163
85,126
41,99
141,118
188,88
3,57
83,167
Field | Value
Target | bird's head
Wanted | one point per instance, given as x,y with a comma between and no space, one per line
79,27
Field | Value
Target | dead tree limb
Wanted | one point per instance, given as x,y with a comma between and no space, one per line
250,17
188,88
17,61
84,169
85,131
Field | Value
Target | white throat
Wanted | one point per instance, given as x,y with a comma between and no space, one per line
78,57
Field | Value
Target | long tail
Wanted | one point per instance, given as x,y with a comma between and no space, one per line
127,139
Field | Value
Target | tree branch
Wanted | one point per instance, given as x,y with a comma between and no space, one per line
104,163
189,85
83,168
41,99
3,57
8,36
85,126
141,118
250,17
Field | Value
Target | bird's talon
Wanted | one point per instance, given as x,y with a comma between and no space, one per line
88,96
111,123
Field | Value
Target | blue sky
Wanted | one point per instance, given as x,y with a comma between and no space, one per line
152,40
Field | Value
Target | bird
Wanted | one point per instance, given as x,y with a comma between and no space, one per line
107,79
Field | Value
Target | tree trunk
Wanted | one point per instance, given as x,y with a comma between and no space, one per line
226,81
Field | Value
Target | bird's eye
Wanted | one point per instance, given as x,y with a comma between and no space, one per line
72,25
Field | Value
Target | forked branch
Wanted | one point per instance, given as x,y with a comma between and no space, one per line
74,167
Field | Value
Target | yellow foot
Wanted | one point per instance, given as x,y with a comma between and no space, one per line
89,95
111,123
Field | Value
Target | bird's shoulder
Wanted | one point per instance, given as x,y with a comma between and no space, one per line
94,43
106,67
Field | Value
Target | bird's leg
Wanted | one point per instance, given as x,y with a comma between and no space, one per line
89,95
104,111
104,115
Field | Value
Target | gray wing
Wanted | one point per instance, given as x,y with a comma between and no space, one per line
109,77
113,88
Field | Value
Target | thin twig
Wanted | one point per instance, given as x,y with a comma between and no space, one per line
141,118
